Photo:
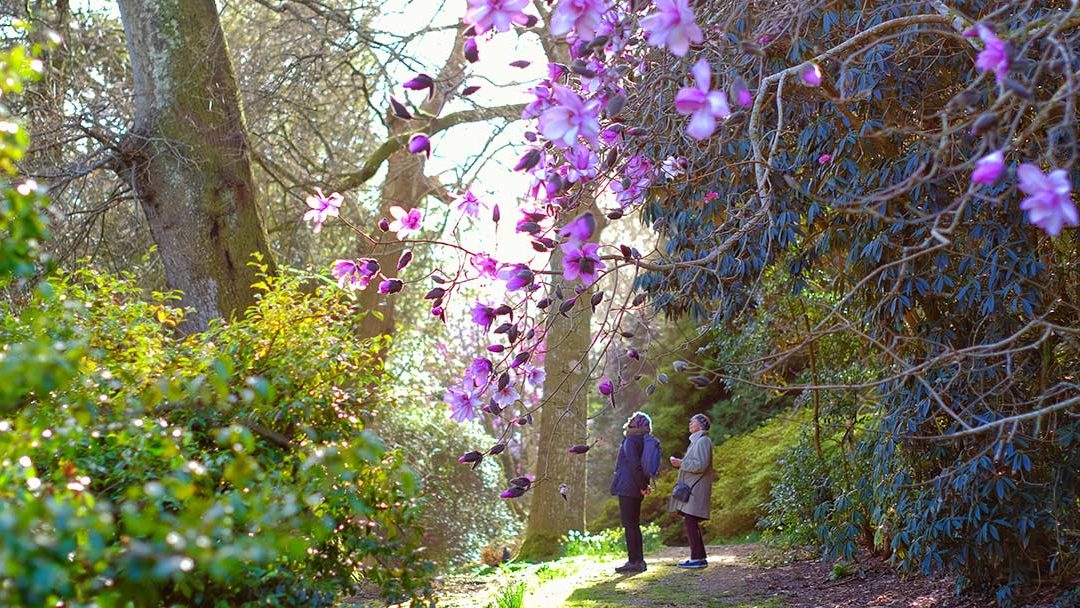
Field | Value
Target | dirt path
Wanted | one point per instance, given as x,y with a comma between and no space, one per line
738,576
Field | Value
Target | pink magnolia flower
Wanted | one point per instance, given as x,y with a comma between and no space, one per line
517,276
420,143
673,167
535,376
989,168
354,275
743,97
582,164
484,264
811,74
463,404
581,262
606,387
703,104
321,207
405,222
483,315
1048,201
479,371
579,230
995,56
506,396
469,204
579,16
497,14
570,117
673,26
824,158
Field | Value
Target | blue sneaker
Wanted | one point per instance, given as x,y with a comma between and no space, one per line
694,564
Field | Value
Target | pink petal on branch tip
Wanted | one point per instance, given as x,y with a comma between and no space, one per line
420,143
824,158
472,52
988,169
606,387
672,26
1049,198
811,74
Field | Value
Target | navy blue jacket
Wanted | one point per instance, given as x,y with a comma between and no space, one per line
630,478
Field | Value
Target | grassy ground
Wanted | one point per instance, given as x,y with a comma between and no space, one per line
738,576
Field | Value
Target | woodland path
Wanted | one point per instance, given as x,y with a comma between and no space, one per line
738,576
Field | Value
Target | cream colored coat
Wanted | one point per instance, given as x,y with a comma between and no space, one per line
696,465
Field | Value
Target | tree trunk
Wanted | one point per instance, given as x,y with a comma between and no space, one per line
188,157
563,423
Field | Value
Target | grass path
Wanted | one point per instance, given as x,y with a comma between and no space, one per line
738,576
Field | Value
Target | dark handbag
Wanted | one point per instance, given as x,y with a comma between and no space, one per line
681,492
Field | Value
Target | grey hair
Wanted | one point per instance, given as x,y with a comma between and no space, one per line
703,420
638,420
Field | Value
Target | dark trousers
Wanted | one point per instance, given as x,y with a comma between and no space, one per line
693,533
630,513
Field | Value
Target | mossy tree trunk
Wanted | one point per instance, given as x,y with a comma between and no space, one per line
187,156
563,423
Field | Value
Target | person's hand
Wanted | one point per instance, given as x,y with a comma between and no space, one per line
676,462
646,491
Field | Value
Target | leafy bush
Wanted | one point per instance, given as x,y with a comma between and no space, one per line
459,516
609,542
225,467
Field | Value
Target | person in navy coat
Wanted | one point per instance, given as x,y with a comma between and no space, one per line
639,457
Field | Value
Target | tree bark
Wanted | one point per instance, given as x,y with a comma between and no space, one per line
563,423
188,159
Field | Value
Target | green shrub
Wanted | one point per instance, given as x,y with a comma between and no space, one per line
225,468
459,516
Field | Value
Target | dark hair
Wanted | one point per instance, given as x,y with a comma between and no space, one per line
703,420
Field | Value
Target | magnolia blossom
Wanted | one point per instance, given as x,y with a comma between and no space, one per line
542,100
824,158
483,315
354,275
405,222
484,264
581,262
517,276
479,371
673,26
989,168
703,104
321,208
535,376
579,230
463,404
582,164
1048,202
420,143
506,396
497,14
570,117
995,56
811,74
468,204
605,386
673,167
579,16
743,97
